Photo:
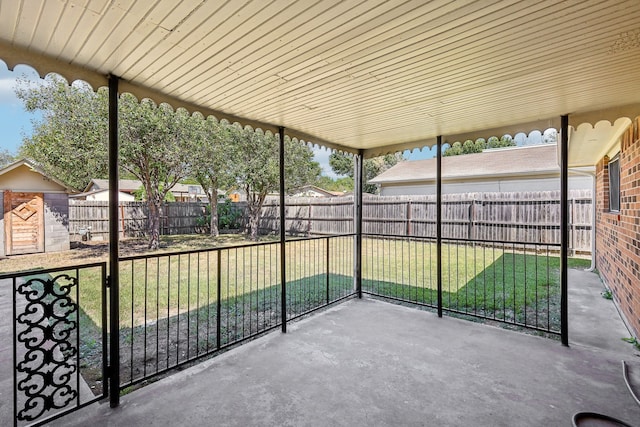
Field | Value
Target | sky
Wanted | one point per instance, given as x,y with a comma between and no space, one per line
15,123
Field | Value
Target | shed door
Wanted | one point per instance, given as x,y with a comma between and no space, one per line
24,223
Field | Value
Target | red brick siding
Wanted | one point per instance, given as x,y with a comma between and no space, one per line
618,233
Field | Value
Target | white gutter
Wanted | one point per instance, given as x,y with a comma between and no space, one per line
592,267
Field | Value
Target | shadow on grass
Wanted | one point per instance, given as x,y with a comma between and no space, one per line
516,288
168,342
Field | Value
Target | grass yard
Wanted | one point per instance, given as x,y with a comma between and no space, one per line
170,303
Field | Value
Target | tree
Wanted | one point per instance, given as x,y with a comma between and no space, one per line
255,161
71,140
154,147
343,184
210,151
477,146
5,158
343,164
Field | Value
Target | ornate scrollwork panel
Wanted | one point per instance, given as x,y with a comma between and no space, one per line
46,348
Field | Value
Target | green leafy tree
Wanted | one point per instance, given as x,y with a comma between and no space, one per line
154,148
343,184
255,161
343,164
71,139
477,146
5,158
505,141
210,150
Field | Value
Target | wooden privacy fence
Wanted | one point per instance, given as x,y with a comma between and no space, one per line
177,218
532,217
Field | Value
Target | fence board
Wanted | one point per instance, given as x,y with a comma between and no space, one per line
532,217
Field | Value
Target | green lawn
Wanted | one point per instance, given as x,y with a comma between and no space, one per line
169,303
495,282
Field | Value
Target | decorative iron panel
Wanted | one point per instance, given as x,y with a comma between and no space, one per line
46,348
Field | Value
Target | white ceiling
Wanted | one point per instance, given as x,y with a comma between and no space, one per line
376,75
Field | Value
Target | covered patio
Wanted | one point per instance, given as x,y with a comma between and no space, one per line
368,362
364,78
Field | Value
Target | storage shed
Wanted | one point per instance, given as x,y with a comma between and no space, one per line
34,210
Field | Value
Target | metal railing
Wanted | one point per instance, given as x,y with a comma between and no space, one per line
59,340
178,307
175,308
506,282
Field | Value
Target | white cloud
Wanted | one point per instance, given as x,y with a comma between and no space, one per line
321,155
7,94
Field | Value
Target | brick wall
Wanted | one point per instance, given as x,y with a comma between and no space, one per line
618,233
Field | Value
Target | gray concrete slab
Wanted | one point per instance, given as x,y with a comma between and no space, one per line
593,320
367,362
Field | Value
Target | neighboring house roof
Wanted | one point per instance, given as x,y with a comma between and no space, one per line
499,162
131,185
35,168
308,190
124,185
94,192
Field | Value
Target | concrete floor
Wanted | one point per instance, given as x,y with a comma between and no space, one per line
366,362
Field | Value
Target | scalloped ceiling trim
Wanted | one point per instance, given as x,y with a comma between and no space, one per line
43,65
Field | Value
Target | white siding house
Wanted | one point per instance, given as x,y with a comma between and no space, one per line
503,170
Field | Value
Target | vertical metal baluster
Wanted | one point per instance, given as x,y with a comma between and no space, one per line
168,307
105,339
264,285
493,263
77,310
198,304
208,301
188,305
549,291
513,273
131,331
242,291
219,299
15,354
504,287
146,284
536,283
178,315
158,312
484,277
524,255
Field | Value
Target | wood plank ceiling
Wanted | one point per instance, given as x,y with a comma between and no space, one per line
375,75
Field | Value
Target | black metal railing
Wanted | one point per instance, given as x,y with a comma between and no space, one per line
175,308
507,282
178,307
59,340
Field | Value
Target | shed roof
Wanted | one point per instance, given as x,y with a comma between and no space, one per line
375,75
34,167
513,161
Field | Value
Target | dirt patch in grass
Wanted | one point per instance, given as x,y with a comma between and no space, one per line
90,252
